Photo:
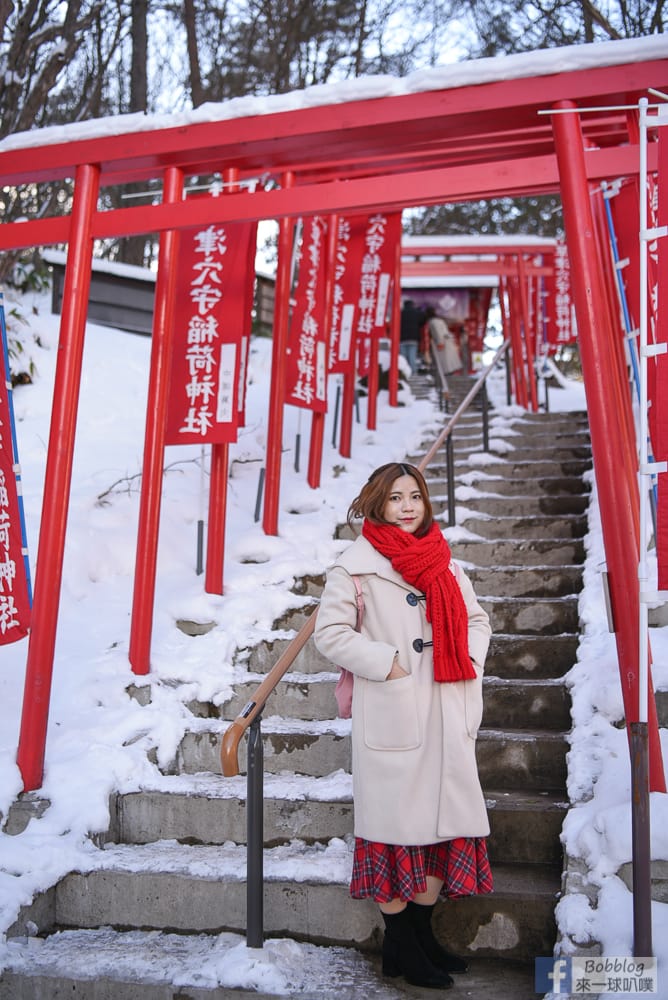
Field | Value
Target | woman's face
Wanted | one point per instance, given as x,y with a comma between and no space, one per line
404,507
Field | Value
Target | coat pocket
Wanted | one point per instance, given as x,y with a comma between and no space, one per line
390,715
473,706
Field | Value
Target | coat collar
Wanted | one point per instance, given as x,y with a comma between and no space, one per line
361,558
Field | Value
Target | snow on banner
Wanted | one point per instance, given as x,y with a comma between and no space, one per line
14,576
211,334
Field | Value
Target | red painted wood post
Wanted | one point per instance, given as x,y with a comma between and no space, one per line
315,450
372,386
620,532
154,437
348,407
506,327
220,461
519,361
523,280
272,483
57,482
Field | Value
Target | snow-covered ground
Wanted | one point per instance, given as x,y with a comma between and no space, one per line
98,739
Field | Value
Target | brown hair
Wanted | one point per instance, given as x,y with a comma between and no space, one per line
374,495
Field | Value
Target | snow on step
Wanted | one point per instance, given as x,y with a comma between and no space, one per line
281,967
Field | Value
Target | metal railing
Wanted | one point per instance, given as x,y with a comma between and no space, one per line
250,717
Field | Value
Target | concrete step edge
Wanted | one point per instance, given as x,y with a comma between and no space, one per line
354,975
340,728
326,865
58,967
298,789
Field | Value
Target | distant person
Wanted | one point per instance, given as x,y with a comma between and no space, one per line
417,664
412,320
446,351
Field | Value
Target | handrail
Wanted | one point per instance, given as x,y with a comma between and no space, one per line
463,406
229,753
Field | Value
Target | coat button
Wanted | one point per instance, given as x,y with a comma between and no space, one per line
419,644
414,599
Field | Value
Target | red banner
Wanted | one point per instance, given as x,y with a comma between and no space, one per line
306,364
348,267
559,313
212,316
658,397
381,236
247,329
481,299
14,583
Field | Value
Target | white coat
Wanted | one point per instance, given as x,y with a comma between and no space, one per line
415,778
446,349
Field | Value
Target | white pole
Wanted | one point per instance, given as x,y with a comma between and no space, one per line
643,429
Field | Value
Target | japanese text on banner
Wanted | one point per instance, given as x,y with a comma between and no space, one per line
383,233
559,313
14,582
212,326
306,368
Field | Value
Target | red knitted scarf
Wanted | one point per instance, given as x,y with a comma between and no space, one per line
424,563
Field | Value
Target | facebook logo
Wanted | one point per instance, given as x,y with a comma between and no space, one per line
553,975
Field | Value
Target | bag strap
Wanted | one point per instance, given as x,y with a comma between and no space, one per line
359,600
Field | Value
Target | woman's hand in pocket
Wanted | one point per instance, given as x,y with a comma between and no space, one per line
396,671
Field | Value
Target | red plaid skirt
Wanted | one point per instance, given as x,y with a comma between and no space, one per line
387,871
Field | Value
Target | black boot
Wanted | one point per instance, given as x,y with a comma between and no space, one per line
403,956
437,955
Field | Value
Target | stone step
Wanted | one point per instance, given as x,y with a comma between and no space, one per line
528,759
487,484
537,451
527,615
541,703
503,526
532,615
520,552
495,465
470,438
557,578
524,825
59,967
519,581
570,417
507,526
510,577
510,655
535,657
478,502
310,697
200,889
502,420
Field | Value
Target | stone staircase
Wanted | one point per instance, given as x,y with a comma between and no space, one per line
174,858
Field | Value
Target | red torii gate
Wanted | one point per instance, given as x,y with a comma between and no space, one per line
515,261
513,128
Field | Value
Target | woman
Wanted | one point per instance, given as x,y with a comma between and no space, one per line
420,817
446,348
